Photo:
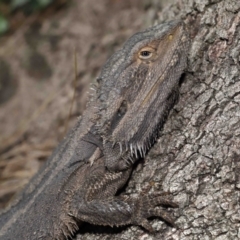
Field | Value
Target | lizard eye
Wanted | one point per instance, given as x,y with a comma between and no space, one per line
145,53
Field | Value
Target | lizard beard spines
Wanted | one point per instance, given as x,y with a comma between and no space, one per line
135,145
68,227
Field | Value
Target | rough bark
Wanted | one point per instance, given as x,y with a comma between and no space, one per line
197,157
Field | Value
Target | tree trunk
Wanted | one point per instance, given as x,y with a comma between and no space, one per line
197,158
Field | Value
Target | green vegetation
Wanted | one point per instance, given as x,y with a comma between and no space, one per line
9,7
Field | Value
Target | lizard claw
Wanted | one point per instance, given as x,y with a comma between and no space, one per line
146,225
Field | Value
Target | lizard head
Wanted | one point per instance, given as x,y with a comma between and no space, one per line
137,87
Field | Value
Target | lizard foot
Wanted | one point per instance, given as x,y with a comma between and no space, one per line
146,207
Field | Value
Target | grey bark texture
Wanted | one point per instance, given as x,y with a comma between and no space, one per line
197,157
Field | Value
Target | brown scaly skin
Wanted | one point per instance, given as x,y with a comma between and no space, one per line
137,87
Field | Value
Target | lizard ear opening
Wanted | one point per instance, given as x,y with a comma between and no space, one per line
99,80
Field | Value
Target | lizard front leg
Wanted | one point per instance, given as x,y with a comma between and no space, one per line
98,205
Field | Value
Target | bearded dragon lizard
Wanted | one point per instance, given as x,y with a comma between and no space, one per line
136,89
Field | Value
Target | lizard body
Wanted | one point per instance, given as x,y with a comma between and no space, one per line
137,87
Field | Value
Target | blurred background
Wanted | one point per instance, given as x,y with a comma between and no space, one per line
50,51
